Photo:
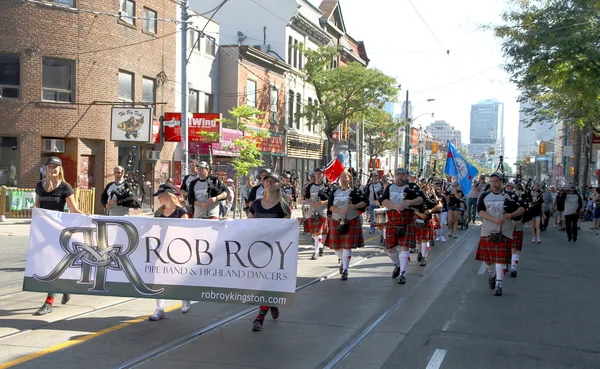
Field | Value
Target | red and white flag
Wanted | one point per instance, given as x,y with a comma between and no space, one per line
334,170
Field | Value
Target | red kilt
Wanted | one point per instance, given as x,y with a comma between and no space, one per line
318,227
424,234
351,240
517,240
436,222
494,253
405,218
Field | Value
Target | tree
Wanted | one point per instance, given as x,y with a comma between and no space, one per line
344,93
380,132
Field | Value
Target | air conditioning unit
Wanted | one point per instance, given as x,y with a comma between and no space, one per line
152,155
53,145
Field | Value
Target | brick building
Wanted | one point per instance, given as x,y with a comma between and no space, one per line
63,69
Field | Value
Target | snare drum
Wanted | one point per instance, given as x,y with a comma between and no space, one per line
306,211
380,217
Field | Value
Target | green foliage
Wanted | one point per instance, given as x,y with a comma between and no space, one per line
553,57
247,145
344,93
380,132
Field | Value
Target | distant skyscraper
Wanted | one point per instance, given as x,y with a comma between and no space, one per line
487,131
443,132
529,137
389,107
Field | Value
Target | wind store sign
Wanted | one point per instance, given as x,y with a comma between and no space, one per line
199,126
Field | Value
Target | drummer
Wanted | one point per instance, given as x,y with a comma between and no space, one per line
424,235
399,198
317,196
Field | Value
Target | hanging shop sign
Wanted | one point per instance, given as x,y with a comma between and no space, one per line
172,127
131,125
199,126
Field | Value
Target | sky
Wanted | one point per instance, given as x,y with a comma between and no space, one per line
412,46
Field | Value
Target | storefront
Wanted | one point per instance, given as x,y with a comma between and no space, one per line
304,155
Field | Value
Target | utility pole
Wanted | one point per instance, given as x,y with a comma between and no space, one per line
184,88
407,136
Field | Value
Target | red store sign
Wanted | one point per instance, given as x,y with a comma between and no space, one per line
199,125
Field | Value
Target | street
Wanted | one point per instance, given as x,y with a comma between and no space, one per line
444,317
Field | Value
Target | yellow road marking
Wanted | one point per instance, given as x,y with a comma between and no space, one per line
77,341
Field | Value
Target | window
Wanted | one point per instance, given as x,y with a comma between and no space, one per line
295,53
300,58
290,108
193,101
149,22
127,12
314,117
211,48
10,76
290,49
125,86
273,102
63,2
193,42
298,109
209,103
57,80
251,93
148,90
309,119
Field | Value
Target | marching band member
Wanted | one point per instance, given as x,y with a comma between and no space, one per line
289,191
398,198
497,209
52,193
538,216
374,187
205,192
345,232
517,240
185,185
424,234
270,205
443,195
170,207
317,196
257,191
117,197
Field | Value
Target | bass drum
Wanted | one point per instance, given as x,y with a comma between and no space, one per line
380,217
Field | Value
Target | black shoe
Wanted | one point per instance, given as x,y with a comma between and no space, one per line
574,239
569,240
423,262
314,257
402,279
420,256
492,282
274,312
257,325
513,273
498,291
321,250
45,309
396,272
65,298
345,275
341,267
381,240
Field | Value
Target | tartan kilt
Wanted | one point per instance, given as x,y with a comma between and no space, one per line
494,253
318,227
436,222
425,234
351,240
395,219
517,240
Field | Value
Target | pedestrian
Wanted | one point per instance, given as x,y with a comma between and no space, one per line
516,245
444,196
170,207
596,198
345,232
560,208
537,215
52,193
547,206
289,192
270,205
399,198
454,210
373,189
229,202
246,193
117,197
496,209
257,191
205,192
424,222
474,193
573,206
317,195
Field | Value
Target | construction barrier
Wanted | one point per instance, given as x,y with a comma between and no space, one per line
17,202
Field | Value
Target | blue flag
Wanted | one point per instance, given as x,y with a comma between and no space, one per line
457,166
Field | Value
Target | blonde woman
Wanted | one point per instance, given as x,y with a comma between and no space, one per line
170,207
271,205
52,193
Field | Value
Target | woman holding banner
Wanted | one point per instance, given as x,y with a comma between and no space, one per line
345,232
170,207
52,193
271,205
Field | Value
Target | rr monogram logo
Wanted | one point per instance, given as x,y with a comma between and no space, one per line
100,256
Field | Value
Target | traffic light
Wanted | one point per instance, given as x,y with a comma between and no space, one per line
572,170
527,160
542,149
435,147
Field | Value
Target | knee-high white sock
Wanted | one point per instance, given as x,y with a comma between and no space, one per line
404,256
515,261
491,270
316,238
383,233
425,248
160,304
393,254
499,274
338,253
347,254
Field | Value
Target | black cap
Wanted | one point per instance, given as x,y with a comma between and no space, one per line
166,188
202,164
496,174
264,170
54,160
287,175
275,176
318,170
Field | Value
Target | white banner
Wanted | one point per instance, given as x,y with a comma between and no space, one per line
252,261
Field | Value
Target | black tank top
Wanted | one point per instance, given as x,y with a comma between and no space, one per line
258,211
